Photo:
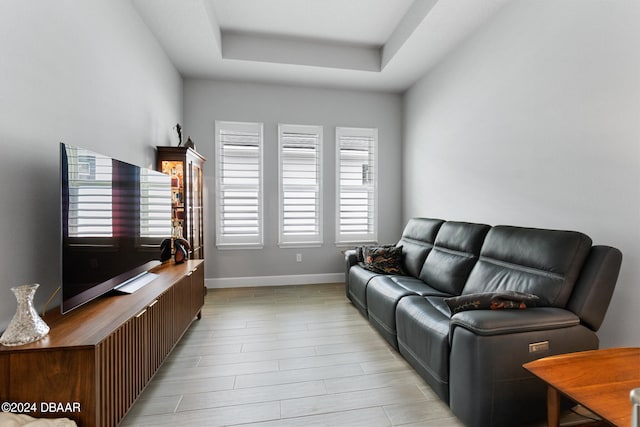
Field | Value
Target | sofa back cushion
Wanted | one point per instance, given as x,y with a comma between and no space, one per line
417,241
541,262
454,254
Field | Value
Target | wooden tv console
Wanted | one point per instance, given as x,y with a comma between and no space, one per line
98,358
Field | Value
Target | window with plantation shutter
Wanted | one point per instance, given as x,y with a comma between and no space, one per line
356,167
300,156
239,212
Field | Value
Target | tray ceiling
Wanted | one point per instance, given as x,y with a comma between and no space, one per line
361,44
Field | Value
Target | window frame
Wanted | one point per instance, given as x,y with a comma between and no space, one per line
300,240
230,241
371,188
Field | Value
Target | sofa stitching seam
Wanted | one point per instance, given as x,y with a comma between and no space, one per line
520,267
416,241
467,255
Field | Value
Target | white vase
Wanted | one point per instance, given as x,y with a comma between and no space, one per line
26,326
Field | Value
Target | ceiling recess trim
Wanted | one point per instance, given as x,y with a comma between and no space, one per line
299,51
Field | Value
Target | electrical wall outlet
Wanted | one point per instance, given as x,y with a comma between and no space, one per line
298,257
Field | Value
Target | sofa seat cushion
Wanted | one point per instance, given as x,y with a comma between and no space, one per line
541,262
383,294
423,339
357,292
417,286
440,304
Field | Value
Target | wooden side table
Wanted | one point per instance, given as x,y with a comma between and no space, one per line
599,380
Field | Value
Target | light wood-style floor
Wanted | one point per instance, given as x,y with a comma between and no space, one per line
286,356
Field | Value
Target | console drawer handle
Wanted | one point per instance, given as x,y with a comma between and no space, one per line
141,313
153,303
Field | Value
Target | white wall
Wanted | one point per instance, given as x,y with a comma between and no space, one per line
85,73
207,101
535,121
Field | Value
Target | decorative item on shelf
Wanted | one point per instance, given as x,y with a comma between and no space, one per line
182,250
178,129
165,250
190,144
177,230
26,326
174,178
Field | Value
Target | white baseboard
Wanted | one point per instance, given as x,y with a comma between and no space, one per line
301,279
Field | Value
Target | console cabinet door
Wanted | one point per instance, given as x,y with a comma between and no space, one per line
123,368
182,306
160,313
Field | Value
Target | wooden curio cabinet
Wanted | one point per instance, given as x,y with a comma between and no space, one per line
184,165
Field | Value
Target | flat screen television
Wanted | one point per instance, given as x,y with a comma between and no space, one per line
114,216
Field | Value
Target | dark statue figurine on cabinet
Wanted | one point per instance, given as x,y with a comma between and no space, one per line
181,250
165,250
178,129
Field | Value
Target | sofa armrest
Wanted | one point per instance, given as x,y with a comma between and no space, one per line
502,322
593,291
350,258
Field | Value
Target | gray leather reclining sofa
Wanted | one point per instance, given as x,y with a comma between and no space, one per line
473,359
